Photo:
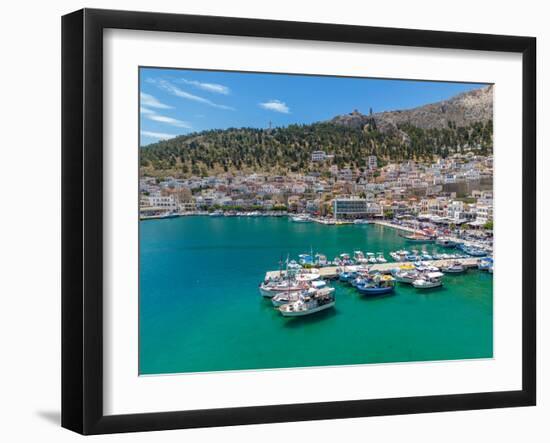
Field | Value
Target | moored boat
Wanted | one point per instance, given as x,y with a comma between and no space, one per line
455,267
405,274
472,250
272,288
446,242
380,258
485,264
418,238
429,280
300,219
378,285
309,304
400,255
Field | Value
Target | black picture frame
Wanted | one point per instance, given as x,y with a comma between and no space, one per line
82,218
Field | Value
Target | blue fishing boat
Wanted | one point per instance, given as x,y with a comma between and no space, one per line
472,250
485,263
379,285
346,276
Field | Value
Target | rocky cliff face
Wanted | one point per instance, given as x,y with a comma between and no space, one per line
462,110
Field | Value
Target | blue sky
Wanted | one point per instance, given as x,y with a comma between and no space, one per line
181,101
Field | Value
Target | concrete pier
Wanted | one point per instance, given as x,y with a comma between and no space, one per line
329,272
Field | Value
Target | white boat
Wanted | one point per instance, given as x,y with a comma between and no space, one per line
318,284
405,274
218,213
399,255
454,268
307,276
270,289
291,297
446,242
359,257
380,258
371,258
285,298
429,280
321,260
309,304
300,219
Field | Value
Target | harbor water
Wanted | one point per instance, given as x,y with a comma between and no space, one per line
200,308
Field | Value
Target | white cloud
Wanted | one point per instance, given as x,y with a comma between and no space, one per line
210,87
143,110
154,116
168,120
157,135
276,105
152,102
174,90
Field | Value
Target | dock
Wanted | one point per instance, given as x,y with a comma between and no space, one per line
329,272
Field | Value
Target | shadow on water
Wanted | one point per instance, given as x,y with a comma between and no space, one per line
298,322
373,298
426,292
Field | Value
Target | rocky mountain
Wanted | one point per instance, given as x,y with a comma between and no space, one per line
462,110
461,124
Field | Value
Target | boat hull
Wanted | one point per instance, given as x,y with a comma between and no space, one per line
307,312
270,293
427,285
453,271
374,291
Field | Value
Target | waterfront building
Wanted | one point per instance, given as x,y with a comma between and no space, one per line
167,202
350,207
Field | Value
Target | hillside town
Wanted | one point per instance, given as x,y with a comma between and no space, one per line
456,191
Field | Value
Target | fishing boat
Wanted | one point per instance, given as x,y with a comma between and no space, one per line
218,213
290,297
485,263
357,281
429,280
318,284
454,268
343,260
305,259
380,258
321,260
405,274
446,242
347,276
400,255
309,304
417,237
426,267
285,297
378,285
359,257
307,276
272,288
371,257
472,250
300,219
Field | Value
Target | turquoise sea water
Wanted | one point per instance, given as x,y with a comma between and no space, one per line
200,308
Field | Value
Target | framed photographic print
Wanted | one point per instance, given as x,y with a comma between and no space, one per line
270,221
